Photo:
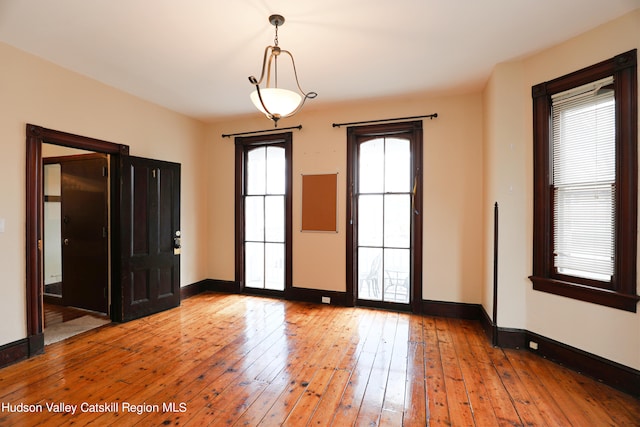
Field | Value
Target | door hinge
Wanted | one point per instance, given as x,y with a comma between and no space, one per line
39,244
105,172
104,231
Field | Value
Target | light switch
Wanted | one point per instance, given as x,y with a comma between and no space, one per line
1,225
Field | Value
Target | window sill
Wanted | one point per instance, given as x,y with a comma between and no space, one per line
604,297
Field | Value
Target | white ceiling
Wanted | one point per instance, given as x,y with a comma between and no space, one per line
195,56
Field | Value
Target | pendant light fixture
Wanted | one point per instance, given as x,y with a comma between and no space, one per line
271,100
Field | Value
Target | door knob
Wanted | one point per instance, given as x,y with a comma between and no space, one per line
66,242
177,243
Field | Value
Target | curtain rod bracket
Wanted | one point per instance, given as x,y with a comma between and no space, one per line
430,116
276,130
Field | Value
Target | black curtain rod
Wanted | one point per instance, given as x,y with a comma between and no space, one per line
229,135
431,116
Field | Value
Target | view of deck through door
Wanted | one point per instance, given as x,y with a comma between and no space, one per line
384,214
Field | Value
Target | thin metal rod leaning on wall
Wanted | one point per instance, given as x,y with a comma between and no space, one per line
431,116
495,275
275,130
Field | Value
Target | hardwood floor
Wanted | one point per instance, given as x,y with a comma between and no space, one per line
243,360
54,314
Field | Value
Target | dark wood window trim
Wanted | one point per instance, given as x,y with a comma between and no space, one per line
242,144
355,136
621,293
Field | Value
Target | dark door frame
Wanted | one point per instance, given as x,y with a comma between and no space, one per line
354,135
35,137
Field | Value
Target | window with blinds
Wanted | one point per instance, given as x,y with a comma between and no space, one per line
584,180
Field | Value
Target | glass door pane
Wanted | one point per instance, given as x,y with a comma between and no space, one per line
397,220
254,264
371,164
384,220
274,218
397,161
370,273
256,171
264,221
276,166
274,266
396,275
370,220
254,218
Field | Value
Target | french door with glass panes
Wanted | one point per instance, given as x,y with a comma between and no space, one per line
384,214
263,209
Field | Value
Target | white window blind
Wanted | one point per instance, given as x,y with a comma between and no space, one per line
584,167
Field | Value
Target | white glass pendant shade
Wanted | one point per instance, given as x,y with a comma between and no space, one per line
279,102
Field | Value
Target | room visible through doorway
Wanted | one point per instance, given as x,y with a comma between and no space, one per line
76,241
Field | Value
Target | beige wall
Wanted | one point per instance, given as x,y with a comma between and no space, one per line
508,147
35,91
452,192
506,168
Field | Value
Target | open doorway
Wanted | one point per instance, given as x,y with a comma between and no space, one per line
144,226
76,279
36,139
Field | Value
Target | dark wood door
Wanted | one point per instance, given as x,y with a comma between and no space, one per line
84,214
150,236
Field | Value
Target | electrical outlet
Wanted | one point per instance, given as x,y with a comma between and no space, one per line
533,345
326,300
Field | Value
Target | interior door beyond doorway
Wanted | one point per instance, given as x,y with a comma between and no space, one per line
85,246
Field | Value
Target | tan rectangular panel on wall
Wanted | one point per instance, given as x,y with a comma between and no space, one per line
320,202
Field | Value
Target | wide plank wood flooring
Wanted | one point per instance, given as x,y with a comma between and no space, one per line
55,314
245,361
